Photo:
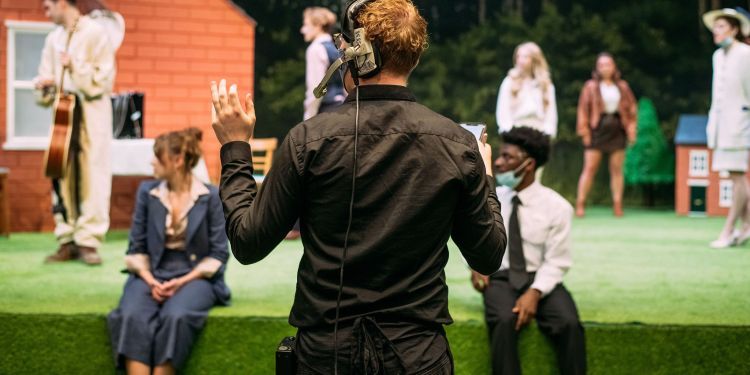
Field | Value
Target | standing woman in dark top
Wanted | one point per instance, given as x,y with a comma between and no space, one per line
176,259
607,124
317,25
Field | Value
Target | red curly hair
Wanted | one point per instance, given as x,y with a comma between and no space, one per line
397,29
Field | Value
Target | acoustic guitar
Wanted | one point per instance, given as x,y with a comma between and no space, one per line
58,153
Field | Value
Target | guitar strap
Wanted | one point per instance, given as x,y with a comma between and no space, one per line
73,152
75,148
59,206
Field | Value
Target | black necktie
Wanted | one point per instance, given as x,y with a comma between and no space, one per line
518,275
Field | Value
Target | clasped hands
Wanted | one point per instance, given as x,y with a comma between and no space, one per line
229,120
164,290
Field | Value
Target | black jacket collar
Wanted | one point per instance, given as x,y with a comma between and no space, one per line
382,92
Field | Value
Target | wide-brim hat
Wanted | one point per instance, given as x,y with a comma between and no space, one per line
710,17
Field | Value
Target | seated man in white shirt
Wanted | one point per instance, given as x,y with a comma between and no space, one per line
538,222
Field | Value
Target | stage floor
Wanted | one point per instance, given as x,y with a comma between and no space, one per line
648,267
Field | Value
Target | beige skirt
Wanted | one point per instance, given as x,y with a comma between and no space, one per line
730,160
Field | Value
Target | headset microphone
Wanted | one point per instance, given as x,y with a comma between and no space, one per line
361,54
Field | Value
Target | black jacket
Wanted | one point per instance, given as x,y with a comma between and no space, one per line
420,181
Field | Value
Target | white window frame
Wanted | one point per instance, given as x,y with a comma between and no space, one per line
693,182
725,200
13,142
693,171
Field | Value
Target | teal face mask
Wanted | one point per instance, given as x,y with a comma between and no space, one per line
726,42
509,178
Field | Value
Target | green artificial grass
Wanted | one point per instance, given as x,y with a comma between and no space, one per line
78,344
649,267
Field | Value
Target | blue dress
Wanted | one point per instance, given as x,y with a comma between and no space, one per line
151,332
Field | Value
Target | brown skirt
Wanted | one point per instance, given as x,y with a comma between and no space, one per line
610,135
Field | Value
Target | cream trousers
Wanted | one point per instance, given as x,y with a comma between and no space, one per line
88,227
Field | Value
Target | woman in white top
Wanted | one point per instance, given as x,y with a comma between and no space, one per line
728,129
527,95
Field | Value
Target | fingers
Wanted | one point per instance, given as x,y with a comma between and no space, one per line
215,98
478,286
223,101
249,105
484,138
234,100
521,316
223,92
521,320
479,281
156,296
214,117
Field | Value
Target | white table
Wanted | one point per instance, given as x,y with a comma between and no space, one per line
132,157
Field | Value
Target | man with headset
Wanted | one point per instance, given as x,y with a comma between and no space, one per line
379,185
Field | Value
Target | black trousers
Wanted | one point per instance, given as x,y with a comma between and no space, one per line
557,318
444,366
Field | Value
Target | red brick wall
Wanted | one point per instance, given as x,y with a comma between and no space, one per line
172,49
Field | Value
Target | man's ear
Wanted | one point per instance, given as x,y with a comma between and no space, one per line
531,167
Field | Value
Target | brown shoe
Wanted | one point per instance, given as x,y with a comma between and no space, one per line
67,251
89,256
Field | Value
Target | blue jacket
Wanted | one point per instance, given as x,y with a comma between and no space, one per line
205,235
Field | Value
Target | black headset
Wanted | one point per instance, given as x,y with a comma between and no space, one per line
368,63
361,56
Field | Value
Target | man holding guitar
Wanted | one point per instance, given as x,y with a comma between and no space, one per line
78,59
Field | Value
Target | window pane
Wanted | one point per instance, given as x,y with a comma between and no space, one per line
28,54
32,120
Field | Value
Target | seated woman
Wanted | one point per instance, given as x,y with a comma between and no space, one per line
176,259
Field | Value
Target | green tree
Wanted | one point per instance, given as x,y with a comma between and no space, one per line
650,161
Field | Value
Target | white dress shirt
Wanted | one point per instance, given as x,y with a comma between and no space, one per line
527,108
545,219
317,63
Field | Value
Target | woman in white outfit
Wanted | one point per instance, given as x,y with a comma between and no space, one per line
728,128
527,95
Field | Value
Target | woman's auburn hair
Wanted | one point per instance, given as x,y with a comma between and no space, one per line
185,143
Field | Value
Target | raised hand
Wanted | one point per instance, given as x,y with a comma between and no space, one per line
229,120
